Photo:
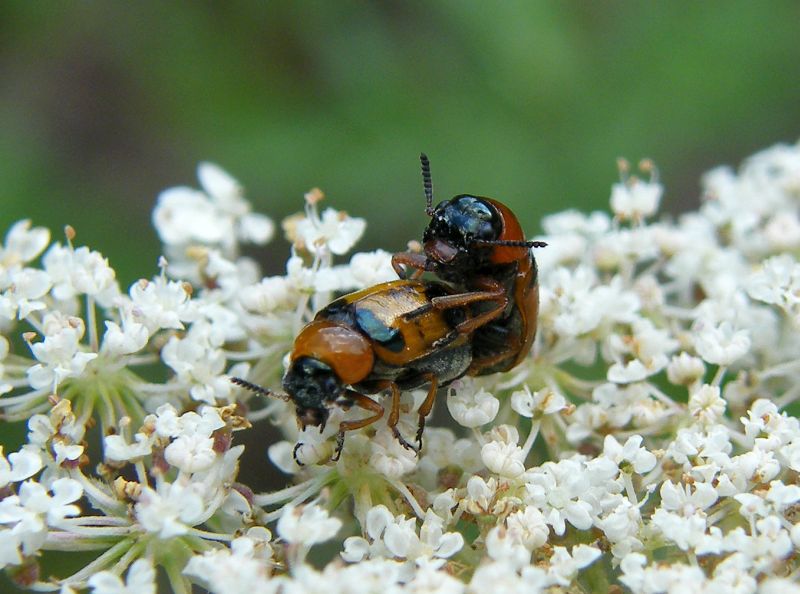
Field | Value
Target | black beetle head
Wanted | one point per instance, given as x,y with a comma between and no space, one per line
456,224
312,386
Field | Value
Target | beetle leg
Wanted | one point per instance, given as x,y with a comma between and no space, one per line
472,324
425,407
409,260
394,415
360,401
490,361
294,453
444,302
459,300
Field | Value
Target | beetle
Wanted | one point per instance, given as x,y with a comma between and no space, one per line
477,245
386,337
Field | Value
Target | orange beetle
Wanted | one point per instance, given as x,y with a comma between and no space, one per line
387,337
477,244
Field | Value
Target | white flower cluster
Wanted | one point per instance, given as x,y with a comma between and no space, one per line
648,442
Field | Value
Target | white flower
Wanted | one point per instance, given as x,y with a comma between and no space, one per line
565,566
191,453
141,579
568,235
769,427
782,231
184,216
35,498
568,221
481,495
711,443
502,455
310,280
222,187
684,369
632,453
763,549
687,499
720,344
19,466
118,450
396,536
199,362
542,402
194,225
273,293
470,408
22,244
782,496
219,216
370,268
442,450
245,567
713,507
307,525
636,199
357,548
23,292
648,345
577,305
751,506
192,446
228,197
428,577
389,457
60,426
706,405
26,516
776,282
559,491
314,446
171,509
506,546
125,339
688,531
80,272
778,585
59,354
432,540
161,303
334,231
621,526
502,576
621,246
757,465
656,578
528,526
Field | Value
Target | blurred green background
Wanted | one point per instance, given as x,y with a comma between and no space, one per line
102,105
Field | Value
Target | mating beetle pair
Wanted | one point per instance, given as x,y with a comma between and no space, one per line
404,334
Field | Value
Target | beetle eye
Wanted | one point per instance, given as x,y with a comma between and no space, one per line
462,220
475,220
330,384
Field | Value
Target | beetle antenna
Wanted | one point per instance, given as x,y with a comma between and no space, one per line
258,389
511,243
427,183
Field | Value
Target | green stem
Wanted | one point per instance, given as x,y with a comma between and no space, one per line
179,584
91,323
412,501
100,563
